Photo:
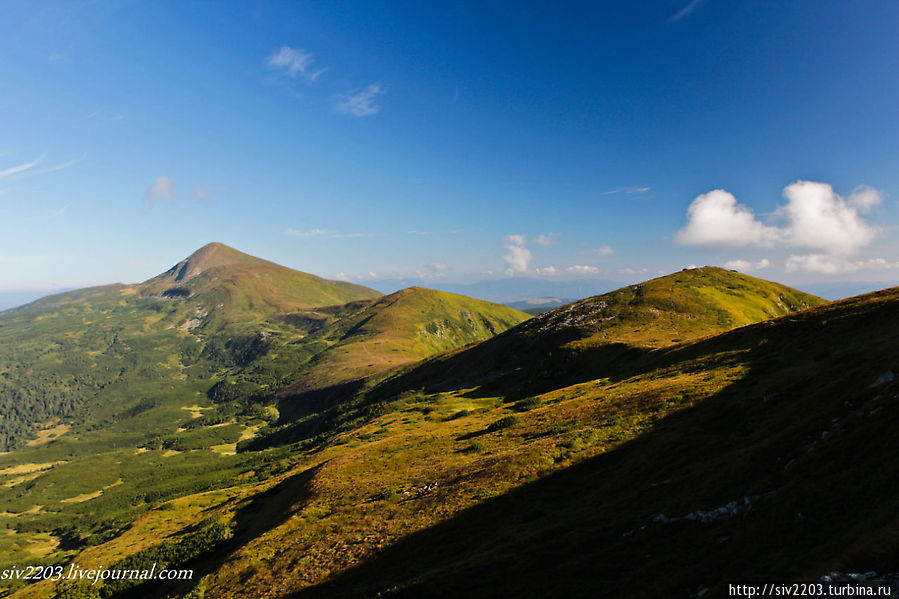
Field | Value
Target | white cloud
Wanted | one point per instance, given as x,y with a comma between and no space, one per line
161,189
20,168
28,169
746,265
548,239
577,269
816,217
518,257
57,167
582,269
341,276
352,235
605,250
717,219
637,271
822,220
56,213
202,192
627,190
865,197
830,264
685,11
360,103
820,263
743,265
294,62
309,233
437,266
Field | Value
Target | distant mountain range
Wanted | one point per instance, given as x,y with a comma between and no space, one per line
511,289
539,305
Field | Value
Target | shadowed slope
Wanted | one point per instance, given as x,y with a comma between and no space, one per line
786,473
605,334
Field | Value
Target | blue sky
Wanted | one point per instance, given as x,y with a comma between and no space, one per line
450,141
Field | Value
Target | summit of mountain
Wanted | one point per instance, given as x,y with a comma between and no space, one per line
219,275
210,256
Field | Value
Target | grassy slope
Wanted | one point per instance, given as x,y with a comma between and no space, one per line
58,352
399,329
110,371
116,387
599,336
783,418
567,473
222,279
566,502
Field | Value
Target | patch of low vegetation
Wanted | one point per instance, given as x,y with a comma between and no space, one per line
503,423
526,404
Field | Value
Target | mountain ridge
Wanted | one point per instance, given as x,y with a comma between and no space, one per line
337,436
661,481
612,330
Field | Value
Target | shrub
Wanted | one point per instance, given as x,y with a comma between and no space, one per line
504,422
614,420
387,494
528,403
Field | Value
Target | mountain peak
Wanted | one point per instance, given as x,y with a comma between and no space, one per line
211,256
228,277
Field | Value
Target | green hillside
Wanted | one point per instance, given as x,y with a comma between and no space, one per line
116,399
227,285
398,329
761,454
62,351
406,485
601,335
